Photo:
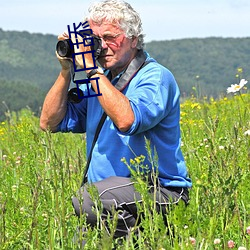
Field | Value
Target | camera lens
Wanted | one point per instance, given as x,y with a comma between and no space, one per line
75,95
63,48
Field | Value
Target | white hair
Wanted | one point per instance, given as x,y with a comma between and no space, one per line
120,13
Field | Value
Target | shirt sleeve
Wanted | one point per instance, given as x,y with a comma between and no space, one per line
75,118
153,97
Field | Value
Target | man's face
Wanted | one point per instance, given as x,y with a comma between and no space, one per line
118,50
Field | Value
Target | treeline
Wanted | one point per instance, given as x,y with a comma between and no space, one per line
204,67
16,95
28,68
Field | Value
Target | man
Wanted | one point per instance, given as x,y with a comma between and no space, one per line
141,100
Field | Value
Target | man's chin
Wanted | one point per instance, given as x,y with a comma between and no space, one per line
104,63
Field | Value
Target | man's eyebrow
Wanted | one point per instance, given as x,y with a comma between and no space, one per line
109,33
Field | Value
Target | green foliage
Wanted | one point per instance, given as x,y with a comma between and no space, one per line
40,172
19,94
36,184
28,68
28,58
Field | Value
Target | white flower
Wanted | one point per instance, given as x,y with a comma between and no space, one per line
192,240
247,133
237,87
217,241
242,248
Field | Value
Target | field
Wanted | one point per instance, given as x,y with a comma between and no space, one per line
40,172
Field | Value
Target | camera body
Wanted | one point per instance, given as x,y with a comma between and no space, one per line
65,48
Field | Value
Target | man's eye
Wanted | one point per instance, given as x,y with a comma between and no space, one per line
108,38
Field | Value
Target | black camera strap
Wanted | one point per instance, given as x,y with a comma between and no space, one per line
136,64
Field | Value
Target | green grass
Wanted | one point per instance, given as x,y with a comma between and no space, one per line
40,172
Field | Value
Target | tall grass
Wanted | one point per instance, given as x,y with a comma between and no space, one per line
40,172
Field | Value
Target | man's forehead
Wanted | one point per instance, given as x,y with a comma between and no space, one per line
105,26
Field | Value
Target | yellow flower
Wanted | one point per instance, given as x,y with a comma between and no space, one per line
138,160
132,162
195,105
240,70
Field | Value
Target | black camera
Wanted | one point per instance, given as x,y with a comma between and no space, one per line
65,48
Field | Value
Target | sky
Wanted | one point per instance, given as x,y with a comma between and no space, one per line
161,19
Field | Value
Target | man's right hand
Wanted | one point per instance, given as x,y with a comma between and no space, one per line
65,62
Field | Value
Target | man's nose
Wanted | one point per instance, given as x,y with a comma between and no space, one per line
104,44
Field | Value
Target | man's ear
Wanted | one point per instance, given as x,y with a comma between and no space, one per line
134,42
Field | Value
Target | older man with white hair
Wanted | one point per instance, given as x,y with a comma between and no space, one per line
140,98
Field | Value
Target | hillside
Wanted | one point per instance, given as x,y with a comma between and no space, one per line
28,66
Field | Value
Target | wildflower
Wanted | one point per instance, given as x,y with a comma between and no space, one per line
45,216
216,241
237,87
240,70
247,133
192,240
198,182
221,147
242,248
195,106
132,162
248,230
14,188
230,244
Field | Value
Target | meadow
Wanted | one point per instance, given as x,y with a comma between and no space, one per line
40,172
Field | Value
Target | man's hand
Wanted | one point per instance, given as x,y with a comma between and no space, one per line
82,60
65,62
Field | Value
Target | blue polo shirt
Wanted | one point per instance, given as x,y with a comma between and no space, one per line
154,97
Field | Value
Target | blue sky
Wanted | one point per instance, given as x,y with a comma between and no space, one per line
162,19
